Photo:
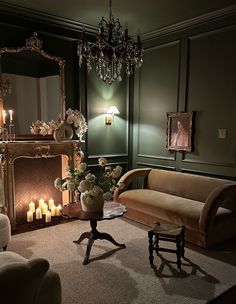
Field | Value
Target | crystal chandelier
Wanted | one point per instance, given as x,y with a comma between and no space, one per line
112,51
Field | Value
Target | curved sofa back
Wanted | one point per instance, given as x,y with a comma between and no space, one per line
186,185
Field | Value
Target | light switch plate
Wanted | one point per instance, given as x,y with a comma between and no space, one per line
222,133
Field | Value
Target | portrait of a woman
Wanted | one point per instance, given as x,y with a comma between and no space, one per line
179,131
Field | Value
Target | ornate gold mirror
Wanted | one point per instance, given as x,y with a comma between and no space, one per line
31,86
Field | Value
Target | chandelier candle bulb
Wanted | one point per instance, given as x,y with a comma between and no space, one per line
30,216
32,206
48,217
50,203
38,214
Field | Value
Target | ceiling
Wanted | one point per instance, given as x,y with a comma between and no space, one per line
139,16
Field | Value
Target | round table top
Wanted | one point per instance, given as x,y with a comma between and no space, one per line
111,210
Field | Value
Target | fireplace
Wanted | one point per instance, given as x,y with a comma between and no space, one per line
28,171
34,180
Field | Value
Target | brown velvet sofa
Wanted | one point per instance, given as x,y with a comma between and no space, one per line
205,206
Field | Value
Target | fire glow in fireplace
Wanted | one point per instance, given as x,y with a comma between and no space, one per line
34,180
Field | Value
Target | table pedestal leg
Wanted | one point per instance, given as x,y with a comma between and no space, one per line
93,235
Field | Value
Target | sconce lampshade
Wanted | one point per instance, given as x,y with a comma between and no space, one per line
113,110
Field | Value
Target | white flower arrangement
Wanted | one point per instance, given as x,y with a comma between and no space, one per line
93,187
74,117
44,127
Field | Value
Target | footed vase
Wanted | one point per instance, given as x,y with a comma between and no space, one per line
89,204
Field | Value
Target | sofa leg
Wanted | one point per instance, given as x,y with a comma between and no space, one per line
5,248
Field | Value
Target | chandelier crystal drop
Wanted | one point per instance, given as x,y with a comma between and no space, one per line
112,51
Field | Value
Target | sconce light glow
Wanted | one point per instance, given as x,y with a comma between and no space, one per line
112,110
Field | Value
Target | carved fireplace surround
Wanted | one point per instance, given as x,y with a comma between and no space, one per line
68,152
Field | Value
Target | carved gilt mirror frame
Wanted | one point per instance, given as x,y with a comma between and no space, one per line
34,44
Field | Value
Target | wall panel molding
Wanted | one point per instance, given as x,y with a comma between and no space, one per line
157,157
207,173
107,155
143,164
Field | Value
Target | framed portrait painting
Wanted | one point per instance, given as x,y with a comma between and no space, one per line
179,131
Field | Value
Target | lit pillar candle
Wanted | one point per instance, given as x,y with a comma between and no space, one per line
11,115
45,208
41,203
50,203
29,216
58,210
54,210
38,213
48,217
4,114
32,206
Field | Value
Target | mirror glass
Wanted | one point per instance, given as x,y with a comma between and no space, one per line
32,85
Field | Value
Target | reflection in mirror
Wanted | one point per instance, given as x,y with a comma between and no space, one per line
35,85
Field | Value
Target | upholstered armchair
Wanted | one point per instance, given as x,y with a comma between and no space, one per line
5,231
25,281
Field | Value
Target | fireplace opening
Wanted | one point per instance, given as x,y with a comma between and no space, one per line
34,181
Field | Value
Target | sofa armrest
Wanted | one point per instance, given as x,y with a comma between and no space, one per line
128,178
212,204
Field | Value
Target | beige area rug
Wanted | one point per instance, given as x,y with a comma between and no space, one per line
124,276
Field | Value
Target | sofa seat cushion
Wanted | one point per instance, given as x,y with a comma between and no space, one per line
169,208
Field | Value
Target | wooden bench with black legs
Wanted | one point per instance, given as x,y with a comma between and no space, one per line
169,233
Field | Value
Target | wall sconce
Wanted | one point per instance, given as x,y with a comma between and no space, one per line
110,114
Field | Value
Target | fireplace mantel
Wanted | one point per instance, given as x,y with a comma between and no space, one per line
11,151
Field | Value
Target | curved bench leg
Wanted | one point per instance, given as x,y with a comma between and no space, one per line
150,248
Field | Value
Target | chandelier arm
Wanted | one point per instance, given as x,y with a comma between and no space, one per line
110,16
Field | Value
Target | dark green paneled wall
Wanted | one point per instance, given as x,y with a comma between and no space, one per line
159,94
109,140
195,72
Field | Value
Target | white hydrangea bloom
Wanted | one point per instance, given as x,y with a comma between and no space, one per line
116,172
90,177
58,183
84,186
107,196
82,166
71,186
96,191
102,161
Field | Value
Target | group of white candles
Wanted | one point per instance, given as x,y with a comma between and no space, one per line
4,115
43,208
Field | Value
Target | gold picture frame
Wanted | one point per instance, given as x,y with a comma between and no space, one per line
179,131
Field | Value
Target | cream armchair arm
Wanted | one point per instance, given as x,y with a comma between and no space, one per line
128,178
25,281
212,204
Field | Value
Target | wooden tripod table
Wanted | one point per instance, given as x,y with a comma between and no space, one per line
111,210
